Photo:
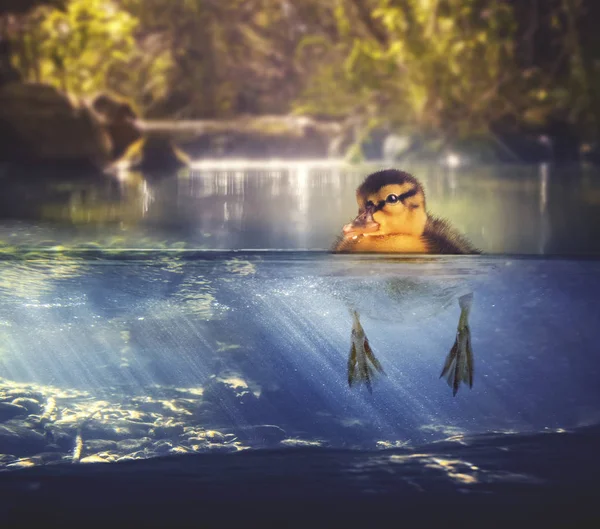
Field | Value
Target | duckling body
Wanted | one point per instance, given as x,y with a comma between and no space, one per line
392,218
438,238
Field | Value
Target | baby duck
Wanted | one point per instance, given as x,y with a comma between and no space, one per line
392,218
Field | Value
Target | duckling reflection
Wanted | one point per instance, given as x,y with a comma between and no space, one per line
392,218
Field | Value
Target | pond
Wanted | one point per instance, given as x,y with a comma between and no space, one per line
201,313
299,205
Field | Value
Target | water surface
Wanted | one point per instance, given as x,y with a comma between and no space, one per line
300,205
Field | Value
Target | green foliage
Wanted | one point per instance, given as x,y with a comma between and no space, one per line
89,46
431,64
445,68
222,55
83,47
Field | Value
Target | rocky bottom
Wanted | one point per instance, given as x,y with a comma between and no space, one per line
42,425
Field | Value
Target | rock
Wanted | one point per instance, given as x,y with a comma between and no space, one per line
152,408
94,446
155,153
20,441
126,458
22,463
163,447
32,405
140,454
119,120
39,125
60,437
263,434
171,431
133,445
9,411
112,108
196,443
46,457
94,459
215,437
114,431
228,448
180,450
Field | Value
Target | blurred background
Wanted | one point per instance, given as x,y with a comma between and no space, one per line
249,123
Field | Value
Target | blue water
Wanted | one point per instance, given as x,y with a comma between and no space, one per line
269,334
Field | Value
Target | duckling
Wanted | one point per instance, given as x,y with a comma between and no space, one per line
392,218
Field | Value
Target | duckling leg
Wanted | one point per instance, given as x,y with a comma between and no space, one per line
459,362
359,369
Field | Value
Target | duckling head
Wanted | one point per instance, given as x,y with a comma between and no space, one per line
390,202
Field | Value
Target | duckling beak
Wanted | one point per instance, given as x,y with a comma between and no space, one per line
362,224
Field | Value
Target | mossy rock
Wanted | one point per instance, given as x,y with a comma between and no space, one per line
119,120
154,153
39,124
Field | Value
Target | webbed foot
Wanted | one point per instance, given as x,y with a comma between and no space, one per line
361,359
458,367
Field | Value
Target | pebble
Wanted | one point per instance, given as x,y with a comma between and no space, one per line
10,411
132,445
59,437
20,441
163,447
93,446
215,436
31,405
116,429
174,430
93,459
22,463
265,434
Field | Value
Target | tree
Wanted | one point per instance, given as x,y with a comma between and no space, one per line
434,65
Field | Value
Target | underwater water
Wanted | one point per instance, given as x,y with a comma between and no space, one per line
185,323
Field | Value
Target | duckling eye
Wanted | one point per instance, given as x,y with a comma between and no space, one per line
392,199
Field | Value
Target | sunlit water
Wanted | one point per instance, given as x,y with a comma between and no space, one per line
189,345
252,349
